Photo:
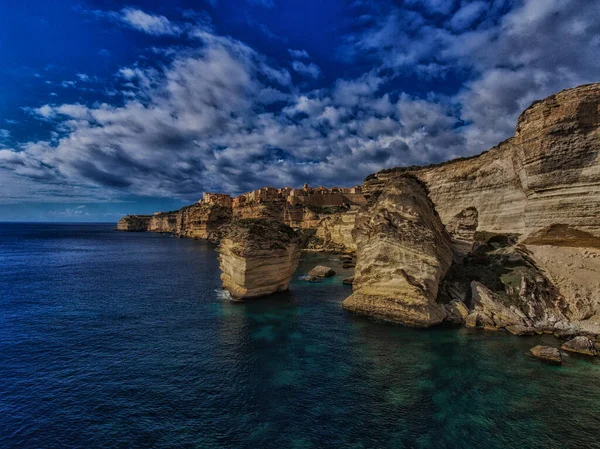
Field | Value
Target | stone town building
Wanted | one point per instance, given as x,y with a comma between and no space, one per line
218,199
307,196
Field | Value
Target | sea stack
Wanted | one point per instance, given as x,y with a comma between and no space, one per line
403,251
257,257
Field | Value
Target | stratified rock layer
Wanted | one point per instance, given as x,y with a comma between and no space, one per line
403,251
134,223
541,190
547,174
203,221
257,257
581,345
547,354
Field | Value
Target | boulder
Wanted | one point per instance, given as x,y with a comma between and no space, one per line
257,257
310,278
492,312
403,251
349,265
471,319
565,334
457,312
322,271
348,280
547,354
581,345
521,331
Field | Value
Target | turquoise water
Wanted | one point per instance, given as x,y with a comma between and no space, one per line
124,340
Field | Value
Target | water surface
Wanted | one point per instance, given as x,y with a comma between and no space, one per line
121,340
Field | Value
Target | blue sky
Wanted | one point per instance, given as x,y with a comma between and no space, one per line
113,107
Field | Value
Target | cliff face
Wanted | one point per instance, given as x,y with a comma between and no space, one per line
134,223
332,224
541,190
196,221
403,253
202,221
257,257
335,231
547,174
164,222
521,224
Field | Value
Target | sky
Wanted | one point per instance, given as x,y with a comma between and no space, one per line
110,108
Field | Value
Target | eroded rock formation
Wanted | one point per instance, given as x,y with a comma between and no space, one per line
203,220
524,218
519,227
403,253
547,354
257,257
547,174
134,223
581,345
325,215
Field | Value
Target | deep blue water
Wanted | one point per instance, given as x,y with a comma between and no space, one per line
123,340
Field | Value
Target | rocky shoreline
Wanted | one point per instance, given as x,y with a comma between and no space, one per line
506,240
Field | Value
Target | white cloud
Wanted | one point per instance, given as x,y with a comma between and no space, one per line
45,111
148,23
467,14
298,54
310,70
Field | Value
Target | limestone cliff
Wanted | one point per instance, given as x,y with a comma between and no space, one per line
330,226
335,231
134,223
521,223
257,257
164,222
547,174
202,220
538,195
403,253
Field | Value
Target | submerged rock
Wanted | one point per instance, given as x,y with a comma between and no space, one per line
547,354
322,271
310,278
402,253
581,345
348,280
257,257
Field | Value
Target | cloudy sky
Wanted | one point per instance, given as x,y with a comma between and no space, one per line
112,107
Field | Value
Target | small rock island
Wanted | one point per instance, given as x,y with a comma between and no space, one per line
257,257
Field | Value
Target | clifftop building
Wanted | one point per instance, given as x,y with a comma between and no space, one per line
217,199
307,196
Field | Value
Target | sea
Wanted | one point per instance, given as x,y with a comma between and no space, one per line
125,340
